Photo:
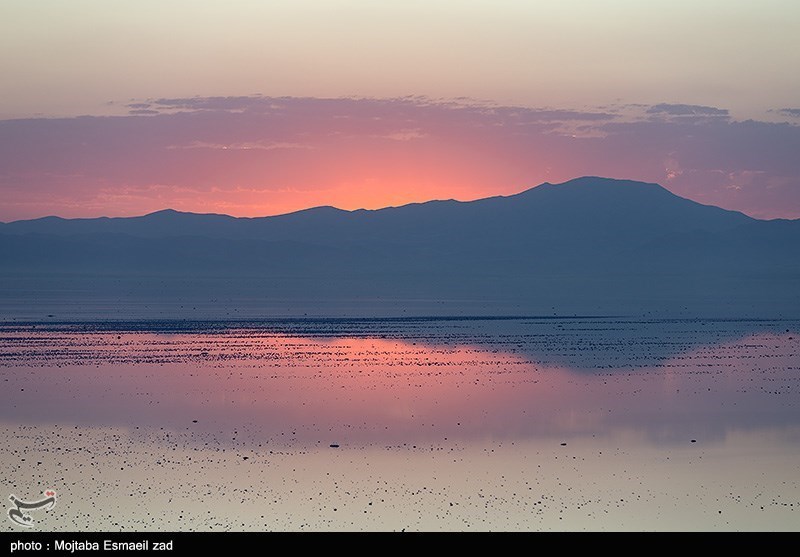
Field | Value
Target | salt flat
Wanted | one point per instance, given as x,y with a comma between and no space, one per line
526,423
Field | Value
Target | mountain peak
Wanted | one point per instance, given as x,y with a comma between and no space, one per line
167,211
594,181
600,183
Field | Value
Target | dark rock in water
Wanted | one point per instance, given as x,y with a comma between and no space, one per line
194,421
334,446
563,444
694,440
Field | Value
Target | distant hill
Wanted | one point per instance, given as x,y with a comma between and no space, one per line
587,245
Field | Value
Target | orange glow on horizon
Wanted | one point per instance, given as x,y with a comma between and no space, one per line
257,156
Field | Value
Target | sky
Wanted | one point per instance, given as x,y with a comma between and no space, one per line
256,108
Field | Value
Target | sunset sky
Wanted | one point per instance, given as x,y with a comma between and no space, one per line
257,108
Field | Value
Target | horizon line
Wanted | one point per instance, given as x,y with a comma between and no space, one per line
389,207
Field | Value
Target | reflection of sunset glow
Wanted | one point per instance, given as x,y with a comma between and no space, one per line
390,389
518,424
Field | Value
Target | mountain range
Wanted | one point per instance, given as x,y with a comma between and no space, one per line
590,245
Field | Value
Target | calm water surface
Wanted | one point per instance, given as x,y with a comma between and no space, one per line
504,424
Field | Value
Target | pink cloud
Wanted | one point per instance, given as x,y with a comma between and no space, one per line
261,155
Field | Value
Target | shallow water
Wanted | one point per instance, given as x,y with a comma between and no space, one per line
417,424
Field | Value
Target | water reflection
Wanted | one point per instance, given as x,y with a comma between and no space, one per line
407,383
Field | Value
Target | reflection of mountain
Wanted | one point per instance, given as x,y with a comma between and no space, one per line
589,245
391,381
583,345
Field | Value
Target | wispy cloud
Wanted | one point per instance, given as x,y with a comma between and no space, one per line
237,104
240,146
792,112
403,135
274,155
687,112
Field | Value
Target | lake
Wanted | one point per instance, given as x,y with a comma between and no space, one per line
508,423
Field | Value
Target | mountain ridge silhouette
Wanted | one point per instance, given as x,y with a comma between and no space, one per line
588,243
